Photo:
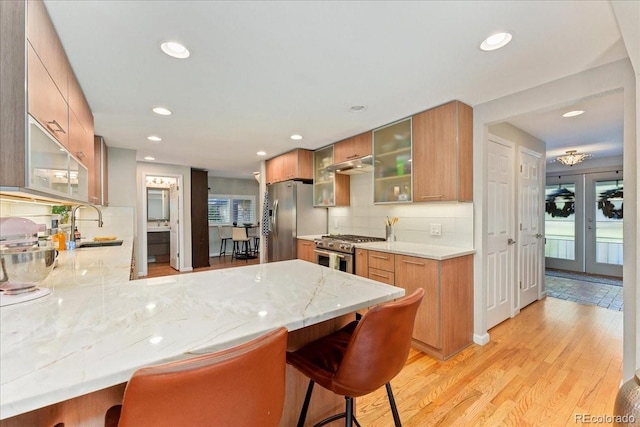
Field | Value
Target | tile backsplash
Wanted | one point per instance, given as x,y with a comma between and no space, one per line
414,219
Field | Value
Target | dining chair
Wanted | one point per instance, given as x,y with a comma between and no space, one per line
361,357
240,386
224,234
240,243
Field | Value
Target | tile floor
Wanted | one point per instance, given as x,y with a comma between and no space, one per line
585,289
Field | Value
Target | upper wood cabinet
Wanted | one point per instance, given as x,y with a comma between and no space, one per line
352,148
46,103
43,37
443,153
295,164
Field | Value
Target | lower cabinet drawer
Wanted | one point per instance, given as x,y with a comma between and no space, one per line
382,276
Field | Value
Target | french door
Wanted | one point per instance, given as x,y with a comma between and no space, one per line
604,218
583,223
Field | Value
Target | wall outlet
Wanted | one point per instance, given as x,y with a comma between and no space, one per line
335,223
436,229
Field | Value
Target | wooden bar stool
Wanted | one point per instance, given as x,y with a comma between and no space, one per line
241,386
361,357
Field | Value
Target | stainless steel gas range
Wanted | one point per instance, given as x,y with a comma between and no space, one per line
338,251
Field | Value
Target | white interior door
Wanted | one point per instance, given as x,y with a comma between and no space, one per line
500,231
174,221
530,254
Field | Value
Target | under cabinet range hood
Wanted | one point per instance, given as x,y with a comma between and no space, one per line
353,166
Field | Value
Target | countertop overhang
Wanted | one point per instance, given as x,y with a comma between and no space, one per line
84,338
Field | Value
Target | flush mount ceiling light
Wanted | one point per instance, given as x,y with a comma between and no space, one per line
573,113
175,50
149,158
495,41
162,111
573,158
154,138
357,108
296,137
261,153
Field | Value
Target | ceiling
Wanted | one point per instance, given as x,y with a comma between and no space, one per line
262,71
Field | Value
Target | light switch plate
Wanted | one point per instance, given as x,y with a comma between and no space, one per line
436,229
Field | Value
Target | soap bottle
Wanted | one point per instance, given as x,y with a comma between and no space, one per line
62,240
76,234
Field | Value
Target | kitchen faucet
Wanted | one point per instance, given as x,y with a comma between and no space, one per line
74,219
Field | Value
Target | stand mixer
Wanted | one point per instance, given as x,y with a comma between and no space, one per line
23,265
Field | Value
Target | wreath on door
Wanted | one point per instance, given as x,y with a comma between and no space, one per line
607,207
560,203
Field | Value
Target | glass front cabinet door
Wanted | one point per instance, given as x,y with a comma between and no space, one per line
324,189
392,163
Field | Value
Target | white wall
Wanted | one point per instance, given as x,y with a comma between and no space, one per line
364,218
121,176
613,76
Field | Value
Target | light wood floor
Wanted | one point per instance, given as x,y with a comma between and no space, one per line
157,269
555,360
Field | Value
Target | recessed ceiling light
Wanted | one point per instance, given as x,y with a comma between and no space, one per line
357,108
296,137
149,158
175,50
495,41
573,113
261,153
162,111
154,138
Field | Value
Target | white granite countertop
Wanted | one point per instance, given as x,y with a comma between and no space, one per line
438,253
90,336
310,237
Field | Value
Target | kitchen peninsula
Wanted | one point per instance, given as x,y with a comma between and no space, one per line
83,340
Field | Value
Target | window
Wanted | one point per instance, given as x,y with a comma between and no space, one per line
226,209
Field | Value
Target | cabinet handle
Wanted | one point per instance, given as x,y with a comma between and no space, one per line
81,155
353,157
379,257
413,262
55,122
379,275
306,244
437,196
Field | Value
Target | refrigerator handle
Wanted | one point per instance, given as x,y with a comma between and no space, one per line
274,217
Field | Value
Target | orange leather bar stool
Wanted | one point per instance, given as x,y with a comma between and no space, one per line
239,386
361,357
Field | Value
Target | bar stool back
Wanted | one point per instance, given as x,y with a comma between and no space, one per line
361,357
240,386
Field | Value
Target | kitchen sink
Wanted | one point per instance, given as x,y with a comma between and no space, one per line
99,244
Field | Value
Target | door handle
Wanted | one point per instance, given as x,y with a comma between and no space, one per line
510,241
274,218
538,236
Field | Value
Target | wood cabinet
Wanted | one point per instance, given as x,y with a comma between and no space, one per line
329,188
444,322
362,262
392,169
443,153
295,164
382,267
99,194
35,68
305,250
158,245
352,148
199,218
45,102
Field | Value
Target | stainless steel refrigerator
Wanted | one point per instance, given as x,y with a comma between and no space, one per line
291,214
